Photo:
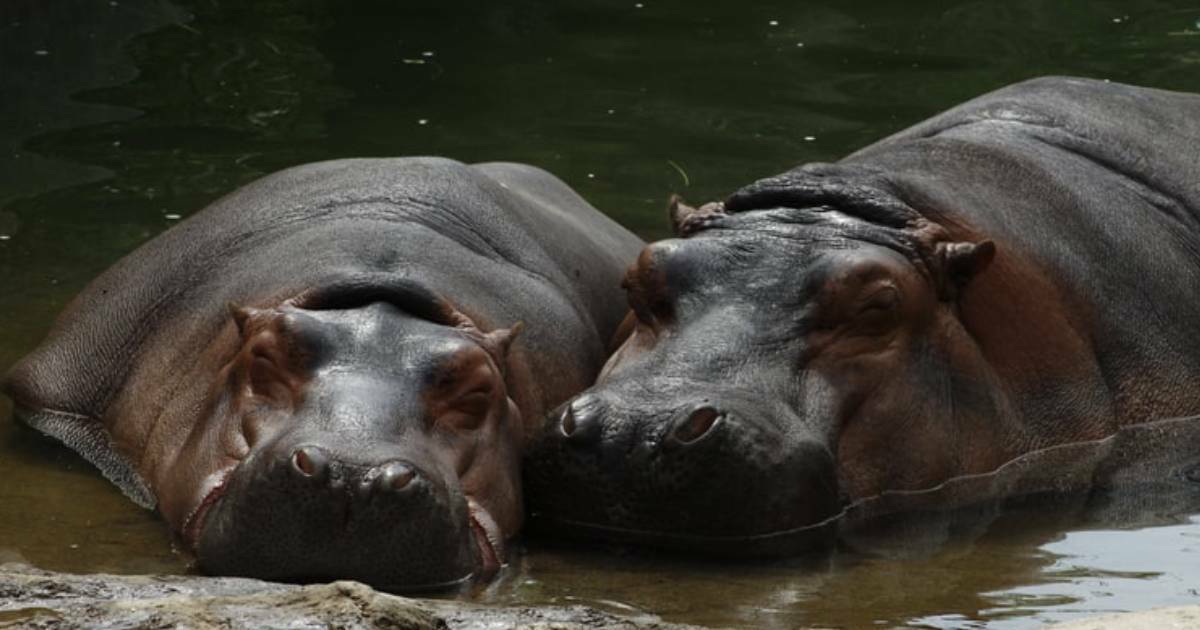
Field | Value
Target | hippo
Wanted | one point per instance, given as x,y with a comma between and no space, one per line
332,372
1019,272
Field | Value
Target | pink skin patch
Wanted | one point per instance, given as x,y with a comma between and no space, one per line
487,538
195,520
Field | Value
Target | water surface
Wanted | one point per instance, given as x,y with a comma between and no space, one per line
117,118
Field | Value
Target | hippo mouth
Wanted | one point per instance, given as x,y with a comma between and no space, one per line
194,523
488,539
486,533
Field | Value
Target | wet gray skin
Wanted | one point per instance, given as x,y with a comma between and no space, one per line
361,479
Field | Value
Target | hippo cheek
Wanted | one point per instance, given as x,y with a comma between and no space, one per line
307,515
705,480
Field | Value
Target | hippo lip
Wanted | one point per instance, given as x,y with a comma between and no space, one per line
194,524
487,539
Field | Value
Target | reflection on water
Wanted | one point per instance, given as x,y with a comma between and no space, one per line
1038,564
45,66
119,117
1103,573
963,554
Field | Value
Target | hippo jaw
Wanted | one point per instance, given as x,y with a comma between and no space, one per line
388,524
688,480
485,533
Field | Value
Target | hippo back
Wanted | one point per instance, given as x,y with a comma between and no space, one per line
1090,186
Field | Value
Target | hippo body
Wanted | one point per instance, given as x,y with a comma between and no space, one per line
318,376
1019,272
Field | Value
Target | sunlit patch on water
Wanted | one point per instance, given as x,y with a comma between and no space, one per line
1105,571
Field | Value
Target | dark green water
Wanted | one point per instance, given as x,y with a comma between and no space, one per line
117,118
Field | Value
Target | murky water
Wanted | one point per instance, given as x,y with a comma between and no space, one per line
118,117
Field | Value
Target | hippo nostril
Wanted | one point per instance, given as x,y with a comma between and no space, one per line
309,461
696,425
580,421
568,422
395,477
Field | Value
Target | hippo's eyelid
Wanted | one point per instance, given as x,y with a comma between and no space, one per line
636,298
482,389
885,297
477,394
466,413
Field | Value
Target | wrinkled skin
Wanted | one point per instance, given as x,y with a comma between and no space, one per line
333,372
933,306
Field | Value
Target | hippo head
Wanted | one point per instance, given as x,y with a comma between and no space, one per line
784,361
368,434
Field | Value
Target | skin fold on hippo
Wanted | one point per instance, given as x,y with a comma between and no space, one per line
333,371
1020,272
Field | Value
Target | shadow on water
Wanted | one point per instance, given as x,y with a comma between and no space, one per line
122,116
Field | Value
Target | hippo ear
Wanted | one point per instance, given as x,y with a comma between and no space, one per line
241,315
686,220
961,262
498,341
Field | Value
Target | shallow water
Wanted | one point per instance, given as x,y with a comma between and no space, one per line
117,118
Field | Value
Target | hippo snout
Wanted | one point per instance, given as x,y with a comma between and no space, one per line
307,512
683,477
580,424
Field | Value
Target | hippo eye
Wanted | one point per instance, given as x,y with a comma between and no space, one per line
467,411
475,402
649,306
883,300
641,310
876,314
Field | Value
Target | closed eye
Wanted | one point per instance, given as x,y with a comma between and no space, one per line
647,301
464,394
476,402
636,298
885,299
876,314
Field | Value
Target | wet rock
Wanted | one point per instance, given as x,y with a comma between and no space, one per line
35,598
